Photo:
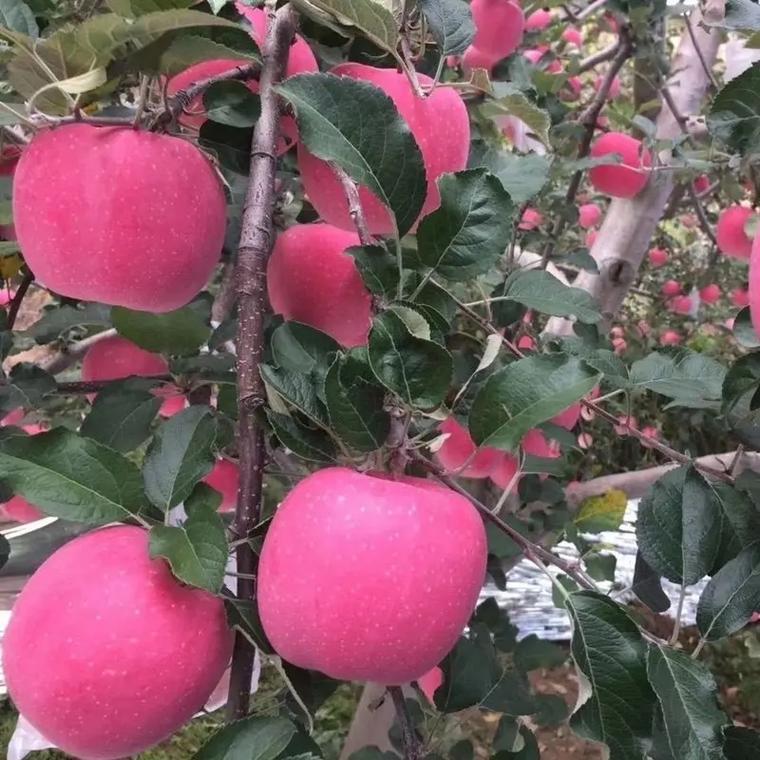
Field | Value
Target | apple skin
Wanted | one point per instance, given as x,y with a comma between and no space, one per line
459,449
531,219
311,279
753,291
18,509
499,27
225,478
710,294
106,653
430,682
681,305
440,125
671,288
670,338
626,179
732,239
589,215
702,184
569,418
505,471
573,36
132,218
536,444
741,297
538,20
658,257
370,579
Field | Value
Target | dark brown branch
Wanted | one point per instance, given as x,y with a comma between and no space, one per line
412,746
698,50
600,57
256,241
18,298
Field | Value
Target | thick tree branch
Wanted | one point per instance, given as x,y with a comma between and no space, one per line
412,746
256,240
629,225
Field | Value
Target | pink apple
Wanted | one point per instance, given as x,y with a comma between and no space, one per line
531,219
365,578
536,444
585,441
619,345
615,87
225,478
740,297
131,218
459,456
752,295
538,20
689,221
474,58
617,332
626,179
730,232
671,288
13,418
710,294
106,653
702,184
650,432
311,279
569,418
681,305
589,215
658,257
572,89
670,338
430,682
440,125
625,423
591,237
499,27
503,474
526,343
573,36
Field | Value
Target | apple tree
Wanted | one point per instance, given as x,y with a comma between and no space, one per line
320,316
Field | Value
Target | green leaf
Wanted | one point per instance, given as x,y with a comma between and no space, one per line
356,125
686,692
179,332
307,443
742,14
679,526
190,49
18,16
470,230
253,738
72,477
744,333
517,104
196,550
232,103
647,586
542,291
418,371
601,513
742,378
735,113
740,522
450,22
27,385
378,268
5,550
299,348
616,701
522,176
355,402
57,320
369,18
690,378
524,394
135,8
179,456
121,416
533,653
243,615
731,596
741,743
298,390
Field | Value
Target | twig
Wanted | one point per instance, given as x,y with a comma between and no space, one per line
599,57
18,298
73,353
93,386
699,52
409,738
704,222
355,210
591,9
256,241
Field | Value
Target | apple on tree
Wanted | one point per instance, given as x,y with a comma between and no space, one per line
367,578
225,478
132,218
731,233
107,669
440,125
627,178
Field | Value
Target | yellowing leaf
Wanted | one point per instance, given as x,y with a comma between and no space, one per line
603,512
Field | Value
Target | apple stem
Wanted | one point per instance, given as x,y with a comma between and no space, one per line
18,298
256,241
355,209
409,738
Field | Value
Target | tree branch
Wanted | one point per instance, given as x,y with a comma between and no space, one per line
412,746
73,353
18,298
355,210
256,241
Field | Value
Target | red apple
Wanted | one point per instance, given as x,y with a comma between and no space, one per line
430,682
474,58
106,653
370,579
670,338
650,432
499,26
658,257
536,444
681,305
573,36
671,288
225,478
131,218
740,297
591,237
440,125
702,184
311,279
615,87
503,474
18,509
538,20
626,179
752,295
526,343
710,294
569,418
458,454
531,219
589,215
572,89
730,232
